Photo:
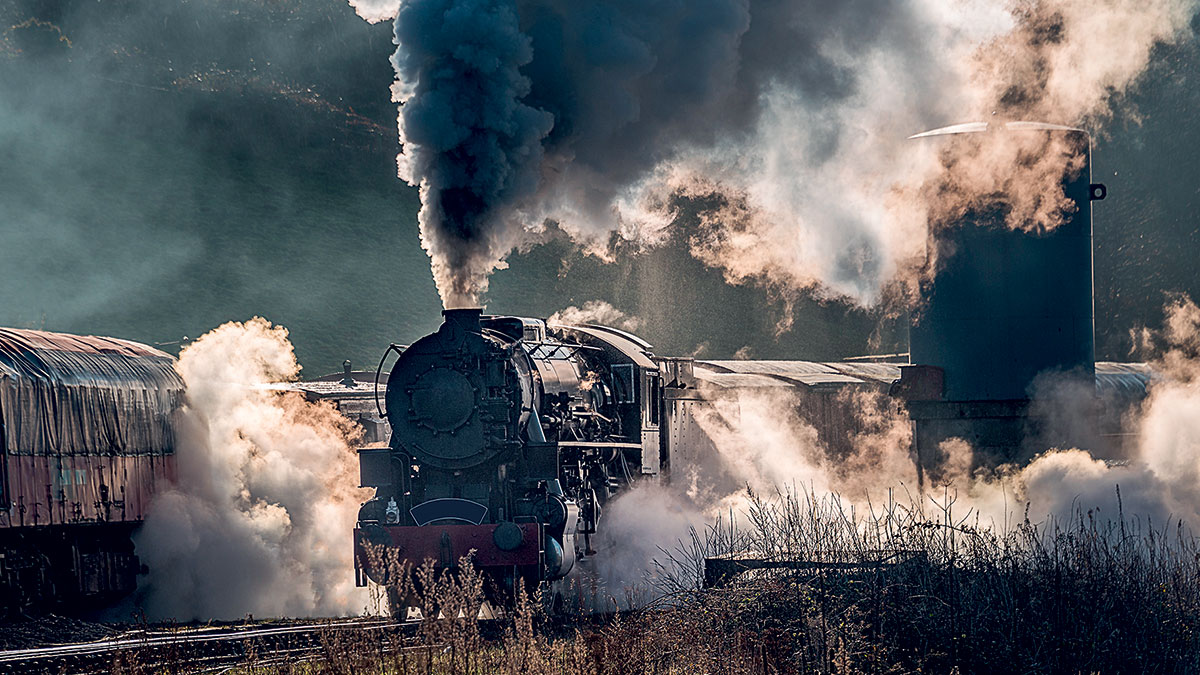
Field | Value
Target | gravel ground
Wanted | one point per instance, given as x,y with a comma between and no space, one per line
51,629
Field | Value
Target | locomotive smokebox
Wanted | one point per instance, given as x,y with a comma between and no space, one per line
1009,306
435,394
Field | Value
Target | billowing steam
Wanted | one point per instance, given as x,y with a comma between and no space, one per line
258,520
375,11
754,441
1158,482
597,312
761,444
786,119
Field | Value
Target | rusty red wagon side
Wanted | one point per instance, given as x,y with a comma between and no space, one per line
87,436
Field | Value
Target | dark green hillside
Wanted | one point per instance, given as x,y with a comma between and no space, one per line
168,166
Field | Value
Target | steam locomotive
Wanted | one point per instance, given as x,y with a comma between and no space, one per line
508,437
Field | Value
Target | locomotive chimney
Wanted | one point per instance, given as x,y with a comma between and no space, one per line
466,318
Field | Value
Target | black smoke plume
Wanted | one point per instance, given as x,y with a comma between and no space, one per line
471,142
791,117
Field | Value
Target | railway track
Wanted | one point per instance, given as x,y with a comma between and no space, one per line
201,650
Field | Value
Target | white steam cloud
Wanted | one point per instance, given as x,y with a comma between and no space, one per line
754,441
1158,482
595,312
375,11
788,118
759,440
260,517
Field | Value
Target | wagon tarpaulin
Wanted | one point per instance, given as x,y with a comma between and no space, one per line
73,395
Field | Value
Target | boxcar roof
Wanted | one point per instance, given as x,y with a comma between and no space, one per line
1128,379
75,394
14,340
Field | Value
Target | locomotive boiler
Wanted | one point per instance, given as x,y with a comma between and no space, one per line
508,437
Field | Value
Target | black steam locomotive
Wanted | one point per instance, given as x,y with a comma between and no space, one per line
508,437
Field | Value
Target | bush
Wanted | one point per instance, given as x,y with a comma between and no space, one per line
897,590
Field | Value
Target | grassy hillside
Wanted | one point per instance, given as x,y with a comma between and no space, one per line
171,166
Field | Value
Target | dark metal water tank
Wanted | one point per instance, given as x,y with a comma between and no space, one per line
1006,305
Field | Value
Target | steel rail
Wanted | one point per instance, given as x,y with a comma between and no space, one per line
184,646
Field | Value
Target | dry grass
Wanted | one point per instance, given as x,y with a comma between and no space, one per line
1063,597
1081,596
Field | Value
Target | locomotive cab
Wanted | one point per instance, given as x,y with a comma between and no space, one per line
508,437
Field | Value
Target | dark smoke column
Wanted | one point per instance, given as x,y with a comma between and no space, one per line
468,140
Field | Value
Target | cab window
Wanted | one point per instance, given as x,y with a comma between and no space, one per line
623,383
